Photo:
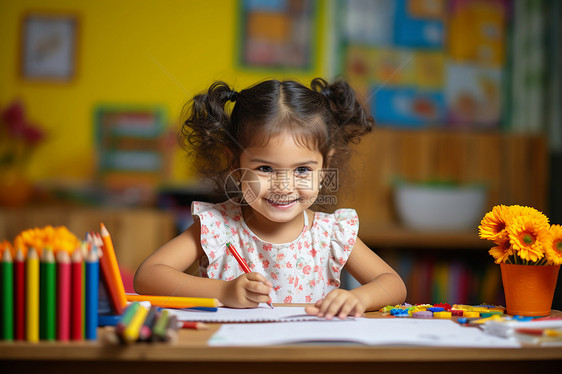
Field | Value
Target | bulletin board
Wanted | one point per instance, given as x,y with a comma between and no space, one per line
420,63
277,35
130,145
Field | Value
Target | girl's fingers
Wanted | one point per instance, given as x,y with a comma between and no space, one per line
347,308
257,297
333,307
312,310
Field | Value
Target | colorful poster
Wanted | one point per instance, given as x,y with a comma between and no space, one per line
407,106
277,34
419,23
477,31
473,95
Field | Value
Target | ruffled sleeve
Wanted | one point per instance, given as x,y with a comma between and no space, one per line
214,229
343,238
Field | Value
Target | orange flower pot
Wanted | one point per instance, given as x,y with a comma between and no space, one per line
529,289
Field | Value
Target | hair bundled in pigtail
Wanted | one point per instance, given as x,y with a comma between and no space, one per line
352,119
206,131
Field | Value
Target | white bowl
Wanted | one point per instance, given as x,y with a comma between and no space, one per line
440,208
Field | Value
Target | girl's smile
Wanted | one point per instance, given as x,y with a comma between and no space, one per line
283,182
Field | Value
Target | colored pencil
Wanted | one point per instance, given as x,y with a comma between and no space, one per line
47,295
84,251
63,295
193,325
7,296
110,285
19,295
159,329
126,317
175,301
242,263
172,328
32,296
146,329
92,294
132,330
76,295
109,252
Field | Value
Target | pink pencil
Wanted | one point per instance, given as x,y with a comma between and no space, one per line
63,295
76,297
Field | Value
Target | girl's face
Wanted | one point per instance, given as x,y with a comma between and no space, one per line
281,179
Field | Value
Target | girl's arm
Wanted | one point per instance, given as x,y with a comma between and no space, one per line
381,286
162,273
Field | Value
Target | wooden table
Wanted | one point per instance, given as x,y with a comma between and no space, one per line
191,354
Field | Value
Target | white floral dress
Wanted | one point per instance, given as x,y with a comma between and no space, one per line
302,271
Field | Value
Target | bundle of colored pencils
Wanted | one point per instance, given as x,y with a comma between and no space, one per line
49,285
145,323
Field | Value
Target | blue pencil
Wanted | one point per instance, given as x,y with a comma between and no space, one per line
92,280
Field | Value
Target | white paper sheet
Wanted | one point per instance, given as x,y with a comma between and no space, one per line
261,314
367,331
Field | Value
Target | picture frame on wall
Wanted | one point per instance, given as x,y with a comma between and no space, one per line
48,50
277,35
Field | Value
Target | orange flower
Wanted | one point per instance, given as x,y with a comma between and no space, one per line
529,213
492,226
527,236
553,245
502,251
6,245
57,238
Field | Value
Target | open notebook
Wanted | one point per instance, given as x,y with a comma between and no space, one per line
262,313
366,331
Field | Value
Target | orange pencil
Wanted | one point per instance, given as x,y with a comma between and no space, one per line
76,297
109,253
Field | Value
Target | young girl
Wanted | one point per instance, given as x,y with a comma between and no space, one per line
280,145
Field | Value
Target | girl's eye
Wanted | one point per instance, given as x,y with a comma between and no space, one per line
302,171
265,169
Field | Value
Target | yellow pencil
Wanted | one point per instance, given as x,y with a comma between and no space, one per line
176,302
32,296
131,333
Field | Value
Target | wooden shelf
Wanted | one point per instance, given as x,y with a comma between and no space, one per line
393,235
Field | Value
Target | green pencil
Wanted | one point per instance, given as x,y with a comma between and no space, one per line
7,295
47,274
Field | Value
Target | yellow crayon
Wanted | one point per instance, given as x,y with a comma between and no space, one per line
131,333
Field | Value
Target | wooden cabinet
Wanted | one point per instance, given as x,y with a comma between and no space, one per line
514,168
136,233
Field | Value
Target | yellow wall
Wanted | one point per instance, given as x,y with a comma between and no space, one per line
130,52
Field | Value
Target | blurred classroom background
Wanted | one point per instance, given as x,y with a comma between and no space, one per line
466,95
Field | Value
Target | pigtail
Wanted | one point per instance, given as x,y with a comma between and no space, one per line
205,132
350,115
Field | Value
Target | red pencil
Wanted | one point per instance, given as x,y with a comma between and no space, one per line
194,325
76,298
63,296
19,295
242,263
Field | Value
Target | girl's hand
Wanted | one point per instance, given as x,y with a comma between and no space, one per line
340,303
246,291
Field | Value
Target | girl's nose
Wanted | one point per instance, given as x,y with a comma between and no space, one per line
282,180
